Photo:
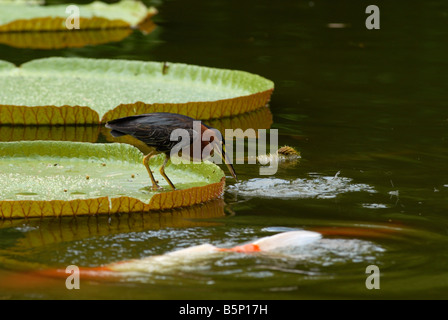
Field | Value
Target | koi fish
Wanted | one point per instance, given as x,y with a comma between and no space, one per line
173,260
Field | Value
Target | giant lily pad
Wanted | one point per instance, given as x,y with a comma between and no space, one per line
96,15
59,91
47,178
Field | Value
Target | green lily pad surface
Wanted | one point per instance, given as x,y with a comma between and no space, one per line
46,178
76,90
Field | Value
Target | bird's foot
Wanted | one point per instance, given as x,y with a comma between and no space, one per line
157,188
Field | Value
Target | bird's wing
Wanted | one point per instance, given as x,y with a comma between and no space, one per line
165,138
156,129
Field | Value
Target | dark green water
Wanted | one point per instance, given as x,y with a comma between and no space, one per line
369,104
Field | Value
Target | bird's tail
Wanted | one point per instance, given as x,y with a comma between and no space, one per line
116,133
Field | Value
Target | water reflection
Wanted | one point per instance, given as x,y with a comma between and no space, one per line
62,39
258,119
54,133
39,233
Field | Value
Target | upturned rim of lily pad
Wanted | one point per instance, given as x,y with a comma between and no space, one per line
208,180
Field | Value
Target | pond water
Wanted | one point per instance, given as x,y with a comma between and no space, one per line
365,108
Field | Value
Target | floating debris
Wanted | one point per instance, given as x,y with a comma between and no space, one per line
375,205
285,153
288,152
338,25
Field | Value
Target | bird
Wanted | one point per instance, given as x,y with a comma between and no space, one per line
155,129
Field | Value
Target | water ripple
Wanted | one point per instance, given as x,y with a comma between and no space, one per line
320,187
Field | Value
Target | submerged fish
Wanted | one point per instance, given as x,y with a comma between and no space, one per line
171,261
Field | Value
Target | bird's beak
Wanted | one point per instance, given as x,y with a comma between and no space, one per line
222,150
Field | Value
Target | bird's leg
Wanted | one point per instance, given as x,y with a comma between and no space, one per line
155,186
162,171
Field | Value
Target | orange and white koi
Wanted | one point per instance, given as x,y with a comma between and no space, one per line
189,256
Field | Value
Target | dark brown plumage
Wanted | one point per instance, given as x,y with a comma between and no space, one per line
154,129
